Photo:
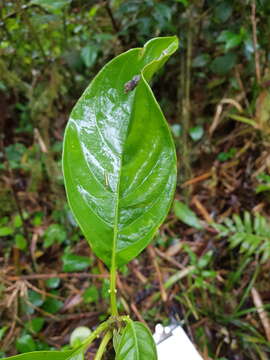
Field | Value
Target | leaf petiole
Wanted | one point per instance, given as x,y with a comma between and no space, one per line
102,347
87,342
113,290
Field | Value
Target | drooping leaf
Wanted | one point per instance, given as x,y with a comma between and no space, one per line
185,214
35,324
119,158
6,231
20,242
72,262
53,283
55,233
78,335
25,343
196,132
52,305
136,343
201,60
91,295
43,355
89,54
223,11
221,65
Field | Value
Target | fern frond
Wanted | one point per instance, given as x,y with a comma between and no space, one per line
251,233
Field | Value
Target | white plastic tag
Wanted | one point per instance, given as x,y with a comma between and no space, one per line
173,343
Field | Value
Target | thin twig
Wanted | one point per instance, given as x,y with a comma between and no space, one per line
137,313
111,16
261,312
152,254
202,210
197,179
78,316
169,259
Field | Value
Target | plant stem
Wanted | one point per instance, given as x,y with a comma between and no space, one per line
103,345
84,346
113,290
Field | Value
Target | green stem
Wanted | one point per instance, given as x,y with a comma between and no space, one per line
113,290
84,346
95,334
103,345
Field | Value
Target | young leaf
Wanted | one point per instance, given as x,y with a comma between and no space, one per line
136,343
43,355
72,262
119,158
185,214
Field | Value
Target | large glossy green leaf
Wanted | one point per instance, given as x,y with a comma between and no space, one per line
136,343
119,158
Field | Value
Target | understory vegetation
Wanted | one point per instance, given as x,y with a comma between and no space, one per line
208,265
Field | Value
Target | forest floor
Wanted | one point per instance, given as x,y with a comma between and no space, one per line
215,286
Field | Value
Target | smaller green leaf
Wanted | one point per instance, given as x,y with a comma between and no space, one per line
89,54
3,331
35,298
53,283
205,259
222,230
44,355
136,343
52,305
262,227
256,223
35,324
265,250
184,2
6,231
223,11
230,224
55,233
20,242
239,224
221,65
201,60
236,239
196,132
90,295
176,130
116,339
230,38
72,262
25,344
227,155
262,187
250,244
37,220
78,335
17,221
186,215
247,222
233,42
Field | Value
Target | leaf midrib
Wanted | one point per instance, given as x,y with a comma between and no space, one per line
116,209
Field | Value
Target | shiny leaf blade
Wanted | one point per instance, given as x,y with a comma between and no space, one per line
136,343
119,158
